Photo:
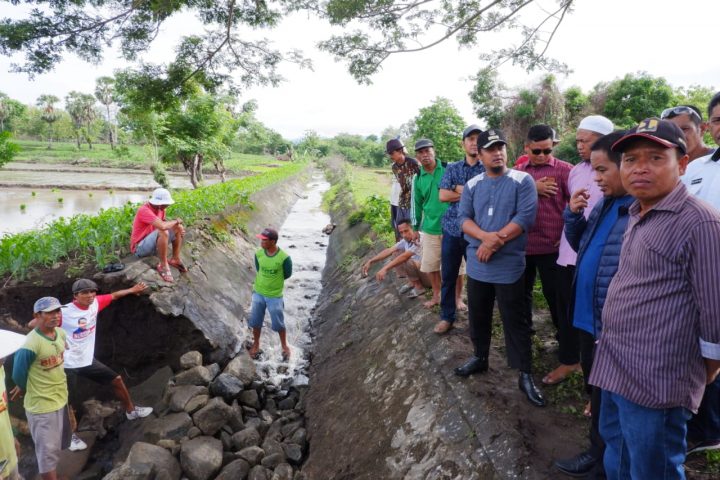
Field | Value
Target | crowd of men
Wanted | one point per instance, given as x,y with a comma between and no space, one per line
626,245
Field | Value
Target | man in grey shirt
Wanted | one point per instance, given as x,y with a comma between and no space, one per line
497,208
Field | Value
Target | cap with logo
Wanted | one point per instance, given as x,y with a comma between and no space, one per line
393,144
84,284
491,137
10,342
268,234
597,124
161,196
423,143
470,129
47,304
663,132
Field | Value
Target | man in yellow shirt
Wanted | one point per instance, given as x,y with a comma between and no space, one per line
9,446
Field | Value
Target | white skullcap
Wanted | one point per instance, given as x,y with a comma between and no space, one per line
597,124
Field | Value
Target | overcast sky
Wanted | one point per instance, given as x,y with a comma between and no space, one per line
600,41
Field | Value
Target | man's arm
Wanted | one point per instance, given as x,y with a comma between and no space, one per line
399,260
21,366
166,225
377,258
136,289
416,205
449,192
287,267
450,196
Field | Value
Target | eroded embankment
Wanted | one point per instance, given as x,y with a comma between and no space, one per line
383,400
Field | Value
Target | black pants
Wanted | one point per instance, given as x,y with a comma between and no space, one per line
511,303
597,445
556,286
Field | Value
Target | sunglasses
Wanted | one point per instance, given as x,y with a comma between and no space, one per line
538,151
681,110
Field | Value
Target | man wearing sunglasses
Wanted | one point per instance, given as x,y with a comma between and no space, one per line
689,119
544,240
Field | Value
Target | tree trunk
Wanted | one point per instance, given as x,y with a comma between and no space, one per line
111,136
193,172
198,166
77,138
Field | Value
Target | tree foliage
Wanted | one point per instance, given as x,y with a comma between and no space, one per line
8,149
441,123
636,97
81,107
9,110
105,94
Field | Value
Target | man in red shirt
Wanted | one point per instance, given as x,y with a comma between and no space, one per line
151,234
551,179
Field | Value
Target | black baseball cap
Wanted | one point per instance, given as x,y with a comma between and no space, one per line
268,234
470,129
393,144
423,143
663,132
84,284
491,137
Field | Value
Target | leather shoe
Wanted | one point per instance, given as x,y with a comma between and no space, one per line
527,385
577,466
474,365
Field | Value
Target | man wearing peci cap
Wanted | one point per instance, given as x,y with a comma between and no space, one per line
10,342
660,344
39,374
453,244
404,169
152,234
427,213
497,208
273,266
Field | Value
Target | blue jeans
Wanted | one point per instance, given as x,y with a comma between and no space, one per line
705,425
453,252
273,305
642,443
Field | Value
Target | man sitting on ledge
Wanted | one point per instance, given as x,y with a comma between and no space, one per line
151,234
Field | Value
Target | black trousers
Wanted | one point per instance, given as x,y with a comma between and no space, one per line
557,288
597,445
511,303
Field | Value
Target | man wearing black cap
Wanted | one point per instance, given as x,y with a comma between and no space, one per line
453,244
404,168
660,344
497,208
79,322
273,266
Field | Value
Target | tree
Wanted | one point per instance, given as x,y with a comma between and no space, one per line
635,97
9,109
441,123
696,95
49,114
105,94
487,97
81,107
215,58
8,149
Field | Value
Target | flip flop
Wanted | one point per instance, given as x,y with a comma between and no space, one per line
166,275
179,265
113,267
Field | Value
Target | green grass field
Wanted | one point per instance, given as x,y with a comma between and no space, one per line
129,156
366,182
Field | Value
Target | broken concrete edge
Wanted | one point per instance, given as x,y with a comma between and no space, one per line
499,448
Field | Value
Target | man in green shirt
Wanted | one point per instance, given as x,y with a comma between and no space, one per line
9,446
38,371
427,212
273,266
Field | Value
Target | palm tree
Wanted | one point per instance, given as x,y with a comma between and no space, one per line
81,107
105,93
49,114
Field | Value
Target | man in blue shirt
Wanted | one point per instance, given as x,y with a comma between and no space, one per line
453,244
497,208
597,241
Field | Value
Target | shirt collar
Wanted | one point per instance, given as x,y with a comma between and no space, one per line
715,155
673,202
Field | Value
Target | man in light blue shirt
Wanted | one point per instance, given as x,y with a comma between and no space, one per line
497,208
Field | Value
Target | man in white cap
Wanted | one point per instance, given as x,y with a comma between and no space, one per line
582,177
10,342
38,371
152,234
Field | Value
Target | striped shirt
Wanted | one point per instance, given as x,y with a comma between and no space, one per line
662,313
544,237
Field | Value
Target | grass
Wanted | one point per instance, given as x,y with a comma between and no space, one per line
106,236
366,182
127,156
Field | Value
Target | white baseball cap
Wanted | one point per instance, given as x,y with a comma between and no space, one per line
597,124
10,342
161,196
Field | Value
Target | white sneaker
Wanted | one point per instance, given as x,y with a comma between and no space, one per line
139,412
76,444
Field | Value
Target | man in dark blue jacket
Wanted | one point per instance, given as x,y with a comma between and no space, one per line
598,241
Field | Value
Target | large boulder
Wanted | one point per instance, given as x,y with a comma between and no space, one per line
235,470
195,376
242,367
147,462
173,426
227,386
190,360
181,395
201,457
213,416
250,398
247,437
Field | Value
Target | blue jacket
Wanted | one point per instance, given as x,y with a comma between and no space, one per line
579,231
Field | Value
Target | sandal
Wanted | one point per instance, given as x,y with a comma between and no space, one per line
166,275
178,264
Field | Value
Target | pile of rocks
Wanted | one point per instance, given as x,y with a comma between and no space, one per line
221,425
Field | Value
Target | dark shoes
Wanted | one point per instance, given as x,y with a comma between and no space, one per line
577,466
527,385
474,365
